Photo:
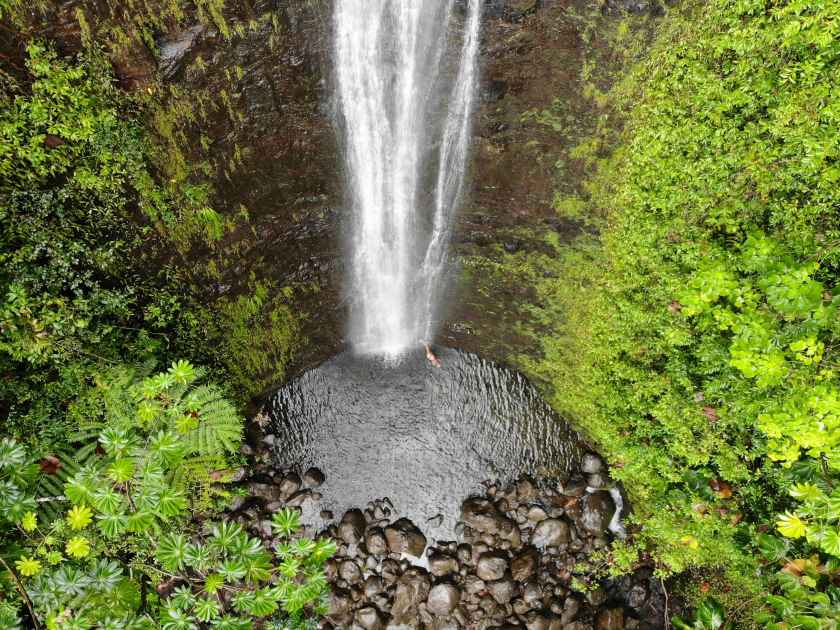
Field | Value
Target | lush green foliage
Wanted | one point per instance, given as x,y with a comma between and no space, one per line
83,557
76,294
695,338
111,459
88,279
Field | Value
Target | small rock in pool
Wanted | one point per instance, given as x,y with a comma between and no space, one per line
313,477
591,464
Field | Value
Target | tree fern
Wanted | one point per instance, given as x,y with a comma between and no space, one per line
219,428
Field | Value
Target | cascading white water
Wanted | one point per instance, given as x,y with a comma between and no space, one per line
406,86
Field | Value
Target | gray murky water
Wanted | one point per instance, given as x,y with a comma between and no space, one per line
423,437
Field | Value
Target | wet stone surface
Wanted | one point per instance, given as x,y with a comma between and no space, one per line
522,558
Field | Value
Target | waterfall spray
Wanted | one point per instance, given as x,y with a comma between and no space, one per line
406,119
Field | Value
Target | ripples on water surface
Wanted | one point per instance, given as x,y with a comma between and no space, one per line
423,437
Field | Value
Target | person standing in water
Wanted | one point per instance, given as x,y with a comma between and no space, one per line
431,356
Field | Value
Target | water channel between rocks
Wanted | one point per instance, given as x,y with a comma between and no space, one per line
423,437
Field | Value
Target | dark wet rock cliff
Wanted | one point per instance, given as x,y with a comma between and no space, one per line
269,137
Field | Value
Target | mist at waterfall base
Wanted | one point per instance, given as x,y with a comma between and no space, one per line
405,81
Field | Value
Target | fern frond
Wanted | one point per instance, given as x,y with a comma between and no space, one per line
79,452
219,429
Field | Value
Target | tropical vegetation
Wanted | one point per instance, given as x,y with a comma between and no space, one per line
692,328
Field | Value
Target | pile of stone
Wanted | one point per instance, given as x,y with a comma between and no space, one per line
524,558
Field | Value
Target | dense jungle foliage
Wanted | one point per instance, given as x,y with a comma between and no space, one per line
693,331
113,473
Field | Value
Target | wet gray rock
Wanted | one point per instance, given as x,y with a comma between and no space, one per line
375,541
350,572
551,532
340,603
524,564
598,480
637,596
173,51
590,463
412,589
492,565
442,564
289,485
443,599
313,477
352,527
368,618
483,516
404,537
596,512
502,591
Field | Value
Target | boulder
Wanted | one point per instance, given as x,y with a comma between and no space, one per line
368,618
492,565
524,564
502,591
443,599
483,516
552,532
596,512
412,589
404,537
313,477
352,527
375,541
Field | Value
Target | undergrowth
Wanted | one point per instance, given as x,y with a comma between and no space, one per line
692,329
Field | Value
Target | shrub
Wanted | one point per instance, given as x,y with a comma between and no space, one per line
694,338
83,558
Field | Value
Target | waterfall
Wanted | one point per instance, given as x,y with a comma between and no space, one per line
406,74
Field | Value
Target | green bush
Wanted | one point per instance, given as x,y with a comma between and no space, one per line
695,338
82,552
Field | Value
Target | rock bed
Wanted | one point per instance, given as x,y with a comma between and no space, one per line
524,558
